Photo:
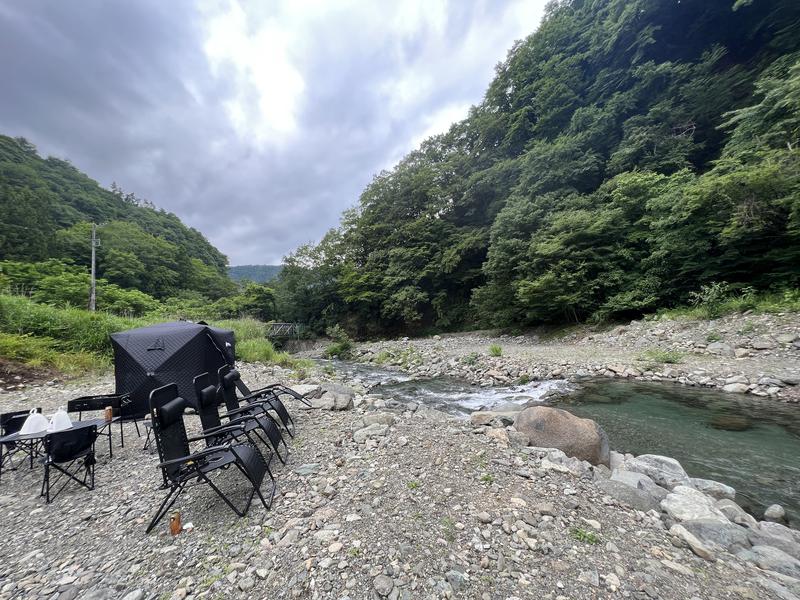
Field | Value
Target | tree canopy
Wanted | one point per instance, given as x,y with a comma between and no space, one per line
625,154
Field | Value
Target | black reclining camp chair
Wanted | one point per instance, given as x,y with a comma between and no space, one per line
247,425
259,419
69,453
180,466
10,423
268,395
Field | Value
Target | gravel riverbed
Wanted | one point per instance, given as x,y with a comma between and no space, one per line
376,501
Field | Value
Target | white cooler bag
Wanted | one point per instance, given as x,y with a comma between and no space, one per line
35,423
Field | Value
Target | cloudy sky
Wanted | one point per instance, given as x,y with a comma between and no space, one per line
257,122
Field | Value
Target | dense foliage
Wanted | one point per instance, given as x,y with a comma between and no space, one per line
256,273
625,154
47,208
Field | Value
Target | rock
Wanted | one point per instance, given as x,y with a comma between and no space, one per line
380,418
308,391
730,422
634,497
735,388
735,513
687,504
719,349
591,577
499,435
696,546
665,471
776,535
714,533
772,559
374,430
246,583
712,488
555,428
774,512
134,595
307,469
383,585
741,352
764,343
456,579
786,338
481,417
517,439
641,482
484,517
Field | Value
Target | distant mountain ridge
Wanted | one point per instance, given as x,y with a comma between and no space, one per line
257,273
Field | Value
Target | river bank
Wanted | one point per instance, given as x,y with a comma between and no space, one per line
740,353
377,500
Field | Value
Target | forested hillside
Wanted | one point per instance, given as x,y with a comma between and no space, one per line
625,154
256,273
47,208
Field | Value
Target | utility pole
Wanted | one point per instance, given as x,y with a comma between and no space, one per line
92,288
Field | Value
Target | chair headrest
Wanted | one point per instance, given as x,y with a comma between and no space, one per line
171,412
229,379
207,397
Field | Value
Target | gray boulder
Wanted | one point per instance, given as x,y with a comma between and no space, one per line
774,512
719,349
642,482
777,536
633,497
381,418
665,471
332,401
555,428
714,533
772,559
735,513
712,488
687,504
374,430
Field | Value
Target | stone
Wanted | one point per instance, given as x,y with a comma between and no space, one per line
246,583
772,559
776,535
484,517
380,418
375,430
714,533
687,504
307,469
695,545
735,388
308,391
774,512
134,595
663,470
642,482
764,343
517,439
735,513
555,428
712,488
499,435
633,497
591,577
719,349
786,338
383,585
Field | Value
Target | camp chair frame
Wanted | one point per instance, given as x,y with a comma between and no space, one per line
64,450
180,467
256,410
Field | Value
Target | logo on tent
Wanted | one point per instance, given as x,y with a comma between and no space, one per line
158,344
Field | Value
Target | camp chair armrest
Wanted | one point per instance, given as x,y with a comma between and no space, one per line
217,431
238,411
194,456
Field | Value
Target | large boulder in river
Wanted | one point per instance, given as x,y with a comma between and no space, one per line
555,428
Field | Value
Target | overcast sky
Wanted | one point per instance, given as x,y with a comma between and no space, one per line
256,122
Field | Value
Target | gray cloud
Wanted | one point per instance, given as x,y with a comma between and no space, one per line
135,92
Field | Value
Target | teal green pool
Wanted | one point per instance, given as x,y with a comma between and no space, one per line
749,443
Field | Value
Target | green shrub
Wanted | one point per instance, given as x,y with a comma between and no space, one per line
342,344
583,535
470,359
713,336
671,357
45,352
495,350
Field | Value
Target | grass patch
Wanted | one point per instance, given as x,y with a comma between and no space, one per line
45,352
382,357
413,485
470,359
669,357
718,300
523,379
449,529
582,535
487,478
495,350
713,336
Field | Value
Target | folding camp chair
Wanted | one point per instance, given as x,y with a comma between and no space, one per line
180,466
10,423
100,403
246,425
69,452
255,410
268,395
